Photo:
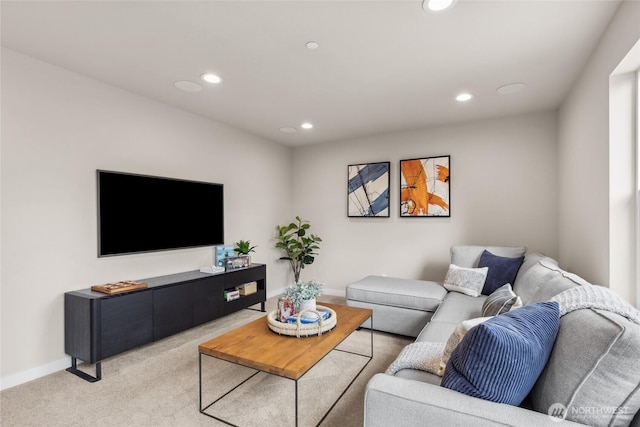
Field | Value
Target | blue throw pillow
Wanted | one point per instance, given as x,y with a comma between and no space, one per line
502,270
501,359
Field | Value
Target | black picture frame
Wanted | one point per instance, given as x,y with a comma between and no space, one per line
425,190
368,190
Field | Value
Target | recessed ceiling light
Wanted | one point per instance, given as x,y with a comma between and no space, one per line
306,125
288,129
437,5
211,78
510,88
187,86
465,96
312,45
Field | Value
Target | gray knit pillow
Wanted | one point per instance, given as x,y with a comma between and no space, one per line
500,301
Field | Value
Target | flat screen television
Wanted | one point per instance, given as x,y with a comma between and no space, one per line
139,213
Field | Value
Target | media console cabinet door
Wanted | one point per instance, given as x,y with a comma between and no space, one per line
208,299
126,322
172,310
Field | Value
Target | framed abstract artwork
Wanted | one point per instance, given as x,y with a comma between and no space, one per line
424,187
368,190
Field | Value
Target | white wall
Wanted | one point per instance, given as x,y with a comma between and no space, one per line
57,129
586,245
503,192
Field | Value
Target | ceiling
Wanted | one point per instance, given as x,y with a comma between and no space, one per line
381,66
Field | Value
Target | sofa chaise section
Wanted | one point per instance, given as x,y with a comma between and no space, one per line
400,306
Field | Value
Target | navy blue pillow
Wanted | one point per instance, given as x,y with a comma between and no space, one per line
501,359
502,270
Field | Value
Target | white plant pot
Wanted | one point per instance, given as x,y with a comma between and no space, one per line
308,304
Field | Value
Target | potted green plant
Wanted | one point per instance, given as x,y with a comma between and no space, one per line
303,294
299,246
243,247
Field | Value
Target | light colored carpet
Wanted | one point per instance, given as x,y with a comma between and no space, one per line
157,385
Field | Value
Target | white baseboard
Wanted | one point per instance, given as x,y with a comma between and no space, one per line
334,292
274,292
34,373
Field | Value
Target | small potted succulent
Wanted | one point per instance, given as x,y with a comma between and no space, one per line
243,247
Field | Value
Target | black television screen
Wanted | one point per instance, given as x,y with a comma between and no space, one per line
138,213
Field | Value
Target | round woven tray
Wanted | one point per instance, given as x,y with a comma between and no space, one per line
303,329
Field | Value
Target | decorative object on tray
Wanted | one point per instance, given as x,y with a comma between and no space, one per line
236,262
243,247
306,306
299,246
302,328
424,187
368,190
303,295
309,316
285,309
118,287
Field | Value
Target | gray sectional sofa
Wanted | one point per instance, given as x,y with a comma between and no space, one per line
592,376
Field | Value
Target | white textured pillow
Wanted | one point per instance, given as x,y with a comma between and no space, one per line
468,281
455,338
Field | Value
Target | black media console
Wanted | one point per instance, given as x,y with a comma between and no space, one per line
97,326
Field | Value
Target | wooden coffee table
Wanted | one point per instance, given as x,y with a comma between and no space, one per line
255,346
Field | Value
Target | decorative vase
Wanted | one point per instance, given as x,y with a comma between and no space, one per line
308,304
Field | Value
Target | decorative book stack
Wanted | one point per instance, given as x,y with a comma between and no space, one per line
231,295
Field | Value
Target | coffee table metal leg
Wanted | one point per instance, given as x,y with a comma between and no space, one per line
370,357
202,410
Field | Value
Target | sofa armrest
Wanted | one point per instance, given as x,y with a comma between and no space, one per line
391,400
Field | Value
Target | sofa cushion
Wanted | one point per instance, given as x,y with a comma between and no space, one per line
469,255
437,331
500,301
457,307
536,272
396,292
501,359
418,375
595,350
468,281
502,270
557,281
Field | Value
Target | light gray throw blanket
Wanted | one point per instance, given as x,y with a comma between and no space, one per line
424,356
598,297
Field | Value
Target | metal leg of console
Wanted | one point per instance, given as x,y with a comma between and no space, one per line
75,371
